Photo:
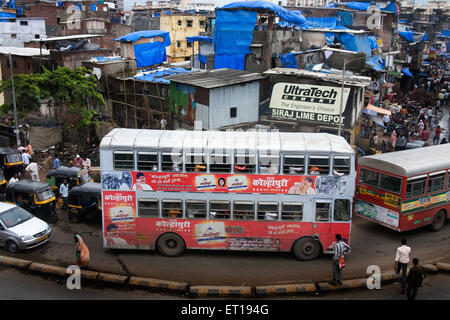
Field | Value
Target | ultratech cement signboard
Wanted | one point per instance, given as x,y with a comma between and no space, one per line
307,102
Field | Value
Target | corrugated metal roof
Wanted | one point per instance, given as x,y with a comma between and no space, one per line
23,52
411,162
223,141
74,37
216,78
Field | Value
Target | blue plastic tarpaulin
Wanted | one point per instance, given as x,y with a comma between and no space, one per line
446,33
352,42
281,12
158,75
199,38
60,3
11,4
413,37
202,58
148,54
391,7
376,63
344,18
402,21
321,22
93,7
105,59
329,38
357,5
7,15
288,60
407,72
135,36
373,42
231,61
78,6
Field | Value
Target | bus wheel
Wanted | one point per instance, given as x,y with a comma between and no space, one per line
171,245
12,246
306,249
438,221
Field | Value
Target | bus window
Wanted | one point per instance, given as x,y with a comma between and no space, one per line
291,211
390,183
172,208
323,211
341,166
195,162
416,187
267,211
341,210
368,177
243,210
244,163
123,160
436,181
196,209
220,163
294,165
172,162
147,161
148,208
319,165
219,209
269,164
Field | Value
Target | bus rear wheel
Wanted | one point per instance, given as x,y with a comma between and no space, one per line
306,249
171,245
438,221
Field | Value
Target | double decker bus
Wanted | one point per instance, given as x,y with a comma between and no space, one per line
269,191
405,190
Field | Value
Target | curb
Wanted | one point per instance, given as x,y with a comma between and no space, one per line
430,268
220,291
444,267
112,278
46,268
14,262
158,284
285,289
357,283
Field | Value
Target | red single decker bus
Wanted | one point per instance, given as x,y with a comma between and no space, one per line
256,190
405,190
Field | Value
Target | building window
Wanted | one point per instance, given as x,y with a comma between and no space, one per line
23,23
179,22
202,24
189,44
189,23
36,36
13,36
233,112
62,27
178,44
58,20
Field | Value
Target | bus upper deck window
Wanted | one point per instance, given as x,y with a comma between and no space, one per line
220,163
244,210
196,209
341,166
172,208
323,211
244,163
269,164
195,162
172,162
292,211
148,208
147,161
219,209
124,160
268,211
294,165
319,165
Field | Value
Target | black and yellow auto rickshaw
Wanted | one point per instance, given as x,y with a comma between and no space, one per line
35,197
10,162
85,201
74,176
2,186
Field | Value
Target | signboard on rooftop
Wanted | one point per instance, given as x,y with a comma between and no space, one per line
307,102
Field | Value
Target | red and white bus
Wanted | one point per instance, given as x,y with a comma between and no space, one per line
270,191
405,190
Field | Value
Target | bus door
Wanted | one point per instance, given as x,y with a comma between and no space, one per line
322,221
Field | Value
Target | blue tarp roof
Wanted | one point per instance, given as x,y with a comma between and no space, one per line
446,32
7,15
321,22
158,75
105,59
135,36
281,12
407,72
376,63
199,38
357,5
391,7
409,36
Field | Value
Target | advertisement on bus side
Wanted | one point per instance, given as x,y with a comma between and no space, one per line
378,213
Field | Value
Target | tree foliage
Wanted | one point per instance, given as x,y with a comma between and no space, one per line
75,88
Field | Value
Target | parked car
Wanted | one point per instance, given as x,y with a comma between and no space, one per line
20,230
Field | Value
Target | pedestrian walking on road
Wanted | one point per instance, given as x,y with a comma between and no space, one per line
64,191
82,252
340,248
401,262
56,163
437,135
415,277
32,168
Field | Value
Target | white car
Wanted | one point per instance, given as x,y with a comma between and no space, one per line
20,230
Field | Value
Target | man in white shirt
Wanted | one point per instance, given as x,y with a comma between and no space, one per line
33,169
13,179
25,158
401,261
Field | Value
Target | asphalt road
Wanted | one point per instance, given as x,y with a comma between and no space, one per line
371,244
15,284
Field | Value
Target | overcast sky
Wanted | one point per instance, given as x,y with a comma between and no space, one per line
129,3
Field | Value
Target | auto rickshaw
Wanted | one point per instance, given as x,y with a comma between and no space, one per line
85,201
2,186
35,197
74,176
10,161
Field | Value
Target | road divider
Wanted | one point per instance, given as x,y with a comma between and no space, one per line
112,278
285,289
431,269
14,262
445,267
158,284
46,268
220,291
